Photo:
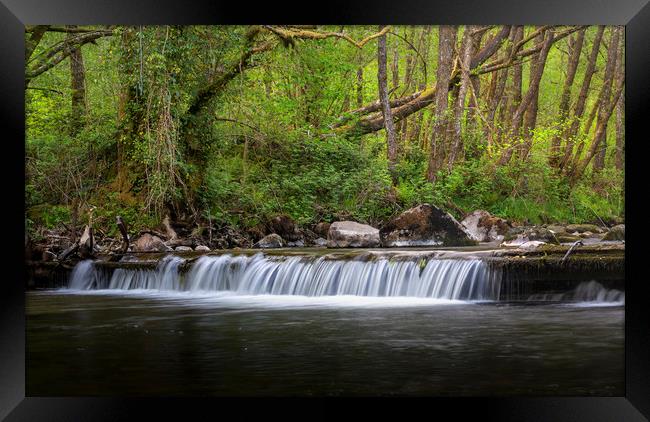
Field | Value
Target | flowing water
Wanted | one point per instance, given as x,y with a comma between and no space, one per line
466,279
296,325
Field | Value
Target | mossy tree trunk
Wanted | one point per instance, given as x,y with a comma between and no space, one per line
579,108
391,140
446,42
77,86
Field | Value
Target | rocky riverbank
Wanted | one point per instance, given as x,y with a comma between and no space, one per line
421,226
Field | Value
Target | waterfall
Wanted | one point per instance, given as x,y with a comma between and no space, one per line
84,276
166,276
459,279
437,278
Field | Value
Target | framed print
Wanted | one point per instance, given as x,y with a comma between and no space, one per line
226,205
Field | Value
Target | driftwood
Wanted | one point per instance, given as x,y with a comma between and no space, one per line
69,251
172,239
171,234
575,244
86,243
125,235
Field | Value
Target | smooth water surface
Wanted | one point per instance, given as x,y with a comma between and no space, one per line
181,343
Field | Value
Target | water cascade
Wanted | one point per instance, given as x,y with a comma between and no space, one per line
166,276
416,276
458,279
84,276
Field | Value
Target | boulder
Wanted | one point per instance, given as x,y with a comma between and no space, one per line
202,248
582,228
322,228
284,226
150,243
424,225
296,244
183,249
616,233
349,234
270,241
484,227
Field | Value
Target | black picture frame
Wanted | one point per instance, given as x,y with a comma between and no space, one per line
14,14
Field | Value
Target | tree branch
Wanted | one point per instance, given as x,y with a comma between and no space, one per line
421,99
289,34
37,33
58,52
75,30
45,89
208,92
517,55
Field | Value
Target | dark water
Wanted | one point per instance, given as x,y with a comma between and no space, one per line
177,345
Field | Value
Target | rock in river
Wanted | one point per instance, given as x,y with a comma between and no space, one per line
150,243
424,225
270,241
348,234
484,227
616,233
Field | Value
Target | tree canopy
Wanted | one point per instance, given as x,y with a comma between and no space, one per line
226,126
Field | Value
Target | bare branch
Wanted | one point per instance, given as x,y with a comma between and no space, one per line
288,34
518,55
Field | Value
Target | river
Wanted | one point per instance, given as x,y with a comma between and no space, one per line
186,343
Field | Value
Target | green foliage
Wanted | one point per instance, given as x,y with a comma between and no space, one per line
264,145
48,216
413,188
105,216
309,179
529,192
604,202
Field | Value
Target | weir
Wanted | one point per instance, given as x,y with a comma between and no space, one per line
303,276
470,276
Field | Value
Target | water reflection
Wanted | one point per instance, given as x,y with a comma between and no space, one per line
101,344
